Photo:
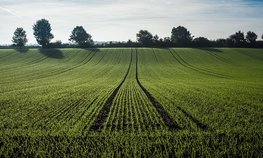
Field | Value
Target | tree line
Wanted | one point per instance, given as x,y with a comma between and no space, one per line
180,37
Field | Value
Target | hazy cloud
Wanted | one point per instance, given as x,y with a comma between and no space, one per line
121,20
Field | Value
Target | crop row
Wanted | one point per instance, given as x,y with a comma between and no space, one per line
131,109
61,106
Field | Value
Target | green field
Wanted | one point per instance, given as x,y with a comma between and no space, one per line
131,102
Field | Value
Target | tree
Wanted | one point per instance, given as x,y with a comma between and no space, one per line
42,32
56,44
81,37
156,40
251,37
238,39
221,42
19,38
181,36
201,42
262,36
145,38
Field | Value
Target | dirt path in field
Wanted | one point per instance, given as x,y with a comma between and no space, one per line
167,119
103,114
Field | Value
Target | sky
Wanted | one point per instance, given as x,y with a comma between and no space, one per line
120,20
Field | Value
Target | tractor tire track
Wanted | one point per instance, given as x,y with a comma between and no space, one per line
101,58
104,112
251,56
59,72
167,119
181,61
42,58
186,64
34,61
155,56
198,123
4,56
218,57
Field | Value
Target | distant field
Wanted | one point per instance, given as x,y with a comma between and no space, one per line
131,102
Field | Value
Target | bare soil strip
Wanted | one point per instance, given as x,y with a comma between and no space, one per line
103,114
167,119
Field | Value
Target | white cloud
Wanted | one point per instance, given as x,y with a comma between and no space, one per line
121,20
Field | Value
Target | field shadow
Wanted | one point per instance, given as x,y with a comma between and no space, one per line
22,50
210,49
51,53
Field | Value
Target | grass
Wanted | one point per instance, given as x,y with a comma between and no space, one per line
131,102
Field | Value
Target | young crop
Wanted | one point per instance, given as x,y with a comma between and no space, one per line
129,102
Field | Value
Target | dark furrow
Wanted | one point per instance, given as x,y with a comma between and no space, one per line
250,56
114,113
187,65
194,67
104,112
63,111
119,58
167,119
6,55
89,118
155,56
144,108
200,69
101,58
59,72
198,123
213,54
82,114
42,58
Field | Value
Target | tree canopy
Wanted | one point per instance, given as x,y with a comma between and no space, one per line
145,38
81,37
251,37
201,42
42,32
19,39
238,38
181,36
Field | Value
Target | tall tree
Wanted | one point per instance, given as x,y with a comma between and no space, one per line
251,37
181,36
145,38
156,40
19,39
81,37
238,39
42,32
201,42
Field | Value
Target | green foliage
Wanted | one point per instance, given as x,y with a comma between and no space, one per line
81,37
42,32
181,36
145,38
238,38
251,37
19,39
48,103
